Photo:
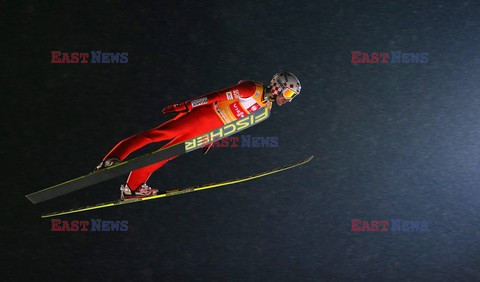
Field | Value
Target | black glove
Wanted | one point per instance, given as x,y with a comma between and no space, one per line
176,108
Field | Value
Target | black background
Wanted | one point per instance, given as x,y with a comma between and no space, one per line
390,140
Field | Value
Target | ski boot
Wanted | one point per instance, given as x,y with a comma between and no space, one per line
143,191
106,163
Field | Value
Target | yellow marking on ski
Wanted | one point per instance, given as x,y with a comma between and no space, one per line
176,192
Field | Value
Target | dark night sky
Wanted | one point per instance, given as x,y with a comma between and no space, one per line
390,140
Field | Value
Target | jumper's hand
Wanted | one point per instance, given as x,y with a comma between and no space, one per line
176,108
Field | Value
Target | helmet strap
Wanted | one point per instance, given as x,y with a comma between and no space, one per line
267,94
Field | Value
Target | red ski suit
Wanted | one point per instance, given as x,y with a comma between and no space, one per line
205,113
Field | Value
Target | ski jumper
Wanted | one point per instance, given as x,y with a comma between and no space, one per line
205,113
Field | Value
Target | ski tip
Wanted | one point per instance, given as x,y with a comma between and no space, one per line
307,159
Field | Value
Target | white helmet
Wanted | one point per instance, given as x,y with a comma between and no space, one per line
286,84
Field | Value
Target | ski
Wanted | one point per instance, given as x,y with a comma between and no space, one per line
148,159
179,191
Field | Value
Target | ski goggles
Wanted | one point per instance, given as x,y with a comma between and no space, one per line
289,94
